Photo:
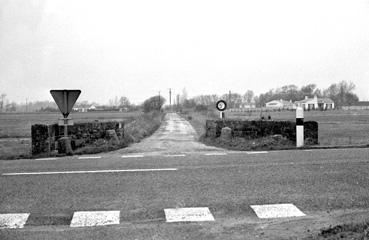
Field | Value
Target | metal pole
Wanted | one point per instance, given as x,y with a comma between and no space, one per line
65,120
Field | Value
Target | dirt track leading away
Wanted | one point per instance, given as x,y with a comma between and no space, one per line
175,135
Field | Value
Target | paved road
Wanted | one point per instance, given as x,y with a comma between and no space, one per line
129,190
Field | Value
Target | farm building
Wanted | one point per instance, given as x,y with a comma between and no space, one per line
315,103
279,104
362,105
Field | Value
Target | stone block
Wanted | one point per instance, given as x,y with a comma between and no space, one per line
112,137
226,133
65,146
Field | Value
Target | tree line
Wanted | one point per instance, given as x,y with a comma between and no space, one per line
341,93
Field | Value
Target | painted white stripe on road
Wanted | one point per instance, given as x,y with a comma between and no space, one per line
132,156
89,157
45,159
277,210
215,154
95,218
257,152
96,171
199,214
13,220
176,155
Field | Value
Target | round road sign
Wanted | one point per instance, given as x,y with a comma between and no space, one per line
221,105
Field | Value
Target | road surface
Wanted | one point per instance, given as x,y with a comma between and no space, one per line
130,194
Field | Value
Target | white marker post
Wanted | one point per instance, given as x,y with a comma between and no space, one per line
221,115
299,127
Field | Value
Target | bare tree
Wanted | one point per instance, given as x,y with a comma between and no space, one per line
2,102
248,96
124,102
184,96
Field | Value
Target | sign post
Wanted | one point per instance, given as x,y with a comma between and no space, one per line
221,105
65,99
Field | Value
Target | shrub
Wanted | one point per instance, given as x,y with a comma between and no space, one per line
200,108
153,104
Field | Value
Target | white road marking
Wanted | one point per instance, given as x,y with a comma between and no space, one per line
95,218
215,154
199,214
176,155
277,210
95,171
45,159
257,152
132,156
89,157
13,220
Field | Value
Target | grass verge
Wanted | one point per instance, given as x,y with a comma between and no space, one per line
358,231
242,144
143,126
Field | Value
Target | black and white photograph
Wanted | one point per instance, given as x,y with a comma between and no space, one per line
173,120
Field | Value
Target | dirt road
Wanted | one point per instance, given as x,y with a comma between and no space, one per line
175,136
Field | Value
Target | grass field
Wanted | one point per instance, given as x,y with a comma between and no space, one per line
336,128
15,128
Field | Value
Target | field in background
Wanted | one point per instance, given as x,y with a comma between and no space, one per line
15,128
337,127
18,125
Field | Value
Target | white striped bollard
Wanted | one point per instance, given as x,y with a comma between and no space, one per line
299,127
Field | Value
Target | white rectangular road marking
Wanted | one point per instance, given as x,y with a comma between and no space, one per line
132,156
277,210
95,218
96,171
176,155
89,157
45,159
215,154
13,220
199,214
257,152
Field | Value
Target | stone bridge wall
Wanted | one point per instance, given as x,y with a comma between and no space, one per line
257,129
45,137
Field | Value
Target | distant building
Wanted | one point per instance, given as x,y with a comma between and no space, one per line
279,104
84,108
315,103
362,105
92,108
248,105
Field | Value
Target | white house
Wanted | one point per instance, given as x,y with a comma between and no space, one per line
315,103
279,104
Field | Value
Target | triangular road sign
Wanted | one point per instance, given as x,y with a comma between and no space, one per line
65,99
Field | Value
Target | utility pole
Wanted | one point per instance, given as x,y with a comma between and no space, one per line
178,101
26,104
230,101
170,98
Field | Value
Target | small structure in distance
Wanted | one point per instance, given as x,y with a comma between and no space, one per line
315,103
280,104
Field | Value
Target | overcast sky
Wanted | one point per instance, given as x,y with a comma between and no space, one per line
136,48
